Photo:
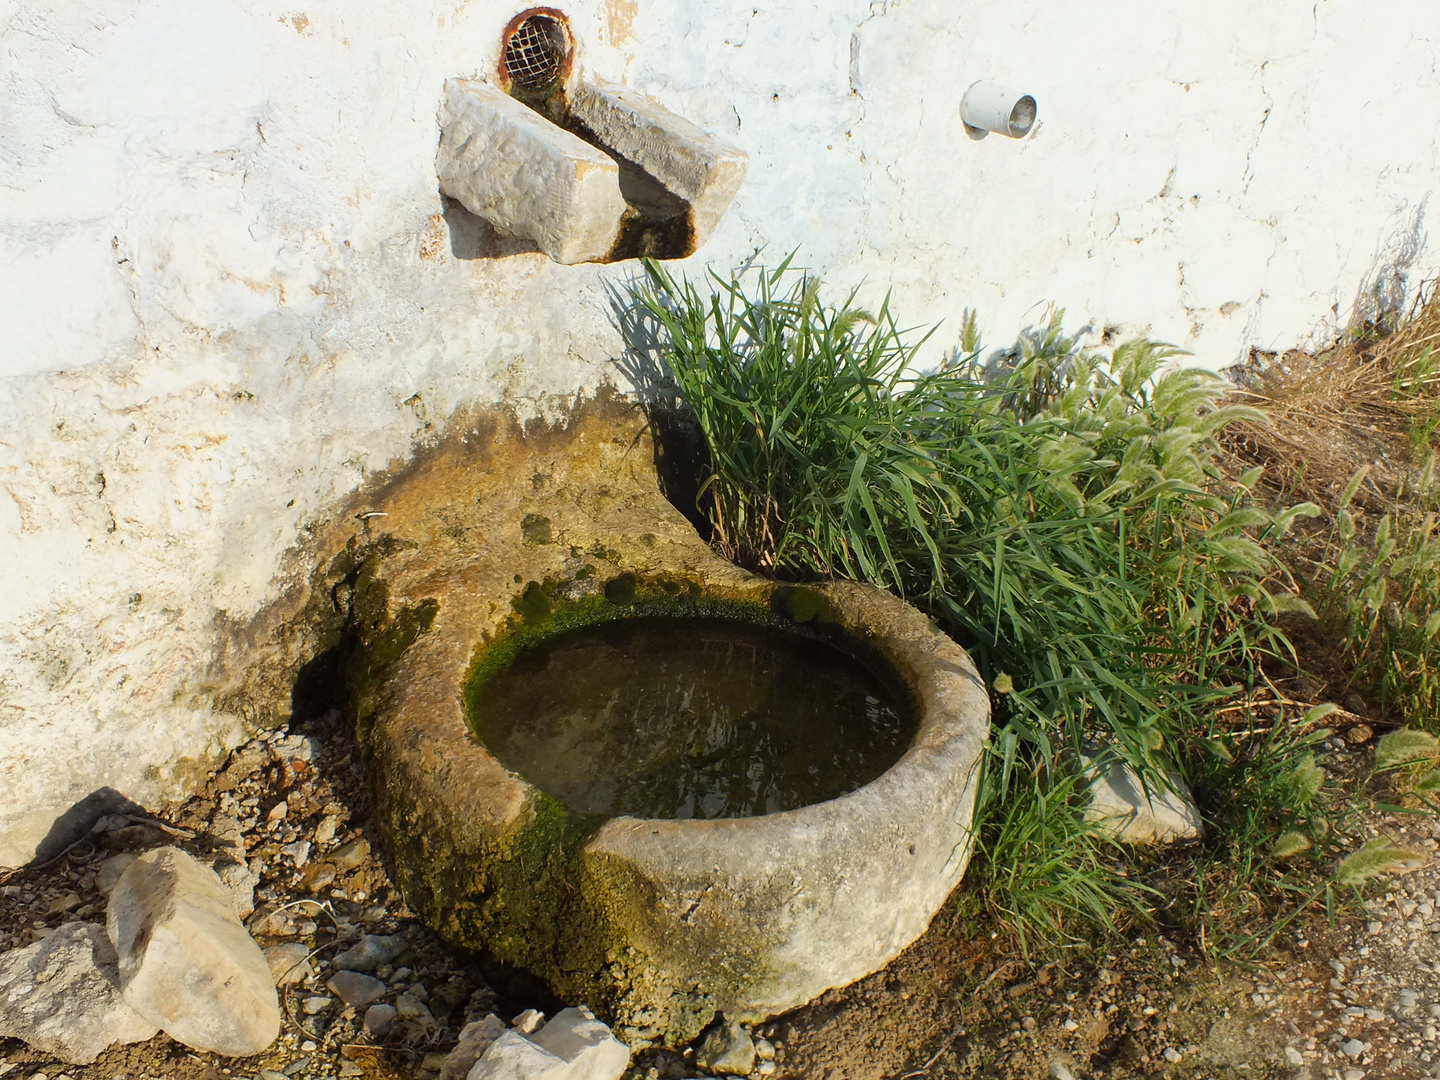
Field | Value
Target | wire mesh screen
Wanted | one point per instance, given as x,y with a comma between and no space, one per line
535,54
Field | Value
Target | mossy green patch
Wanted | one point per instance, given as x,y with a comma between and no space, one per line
535,529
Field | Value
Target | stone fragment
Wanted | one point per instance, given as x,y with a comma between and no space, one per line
509,165
1353,1048
528,1022
63,905
379,1019
298,852
289,963
370,952
692,164
585,1045
726,1048
318,876
186,962
475,1039
62,996
351,856
278,811
764,1049
313,1006
1122,807
355,989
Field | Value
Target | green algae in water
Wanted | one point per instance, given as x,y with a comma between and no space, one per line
692,718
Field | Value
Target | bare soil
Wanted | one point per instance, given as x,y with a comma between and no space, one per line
959,1003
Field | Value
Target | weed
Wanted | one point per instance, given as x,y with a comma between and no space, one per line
1064,517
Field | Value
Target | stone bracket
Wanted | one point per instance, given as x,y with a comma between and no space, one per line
698,167
506,163
528,177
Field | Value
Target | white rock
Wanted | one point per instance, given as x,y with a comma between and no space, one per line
239,881
572,1046
313,1006
186,963
508,164
110,871
1293,1056
692,164
514,1057
1353,1048
475,1039
298,852
288,962
61,995
528,1022
584,1044
1119,802
292,748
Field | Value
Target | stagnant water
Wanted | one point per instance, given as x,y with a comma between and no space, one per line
692,718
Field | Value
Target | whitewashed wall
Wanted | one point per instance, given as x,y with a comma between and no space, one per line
227,293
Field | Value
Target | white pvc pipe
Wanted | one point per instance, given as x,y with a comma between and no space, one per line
987,107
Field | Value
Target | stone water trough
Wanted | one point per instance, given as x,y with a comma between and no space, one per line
510,536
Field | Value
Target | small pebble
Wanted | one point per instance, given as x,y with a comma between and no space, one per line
278,811
1353,1048
1172,1055
528,1022
313,1005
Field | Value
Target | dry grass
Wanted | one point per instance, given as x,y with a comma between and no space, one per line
1373,398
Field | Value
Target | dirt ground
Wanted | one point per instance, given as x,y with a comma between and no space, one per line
1359,997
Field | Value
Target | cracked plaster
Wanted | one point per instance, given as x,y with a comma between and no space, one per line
231,292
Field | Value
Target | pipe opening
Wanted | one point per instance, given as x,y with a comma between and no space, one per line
536,58
1022,117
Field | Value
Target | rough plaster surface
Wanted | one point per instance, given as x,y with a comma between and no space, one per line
231,292
527,177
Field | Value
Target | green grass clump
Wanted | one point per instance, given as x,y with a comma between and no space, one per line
1382,589
1064,518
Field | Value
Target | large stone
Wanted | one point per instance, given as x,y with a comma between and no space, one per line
508,164
62,996
572,1046
584,1044
475,1039
1123,808
692,164
186,963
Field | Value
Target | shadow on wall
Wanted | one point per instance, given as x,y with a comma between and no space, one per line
75,824
682,460
473,237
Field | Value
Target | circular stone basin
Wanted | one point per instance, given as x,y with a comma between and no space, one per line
693,718
637,822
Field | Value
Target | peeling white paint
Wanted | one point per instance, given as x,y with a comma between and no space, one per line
225,267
